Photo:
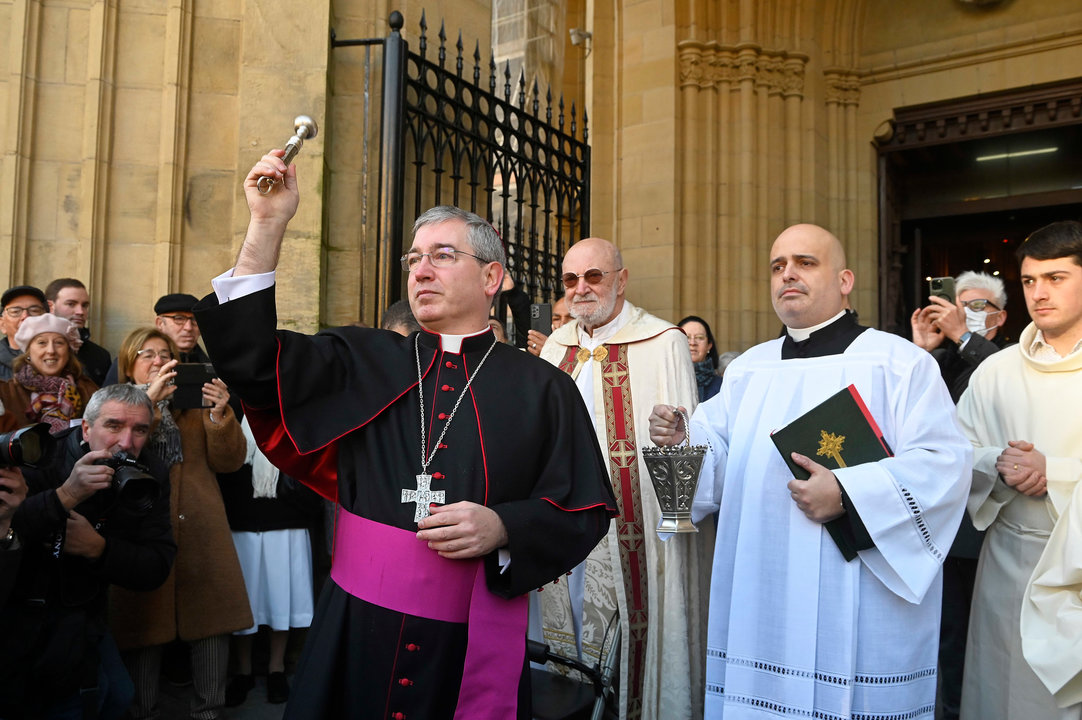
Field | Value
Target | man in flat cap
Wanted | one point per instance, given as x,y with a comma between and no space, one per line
175,319
16,304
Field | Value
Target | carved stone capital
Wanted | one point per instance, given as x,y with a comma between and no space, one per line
712,65
843,88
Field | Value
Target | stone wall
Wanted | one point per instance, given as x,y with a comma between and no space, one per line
127,128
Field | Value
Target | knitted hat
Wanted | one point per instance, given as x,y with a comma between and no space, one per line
37,324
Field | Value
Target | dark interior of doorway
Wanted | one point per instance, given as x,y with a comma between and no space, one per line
986,242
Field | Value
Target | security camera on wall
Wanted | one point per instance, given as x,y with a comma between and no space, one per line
579,36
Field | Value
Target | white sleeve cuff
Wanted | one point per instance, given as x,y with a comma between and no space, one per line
227,287
503,557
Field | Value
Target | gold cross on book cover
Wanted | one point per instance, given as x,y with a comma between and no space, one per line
841,423
831,446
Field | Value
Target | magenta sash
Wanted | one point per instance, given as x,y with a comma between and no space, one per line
391,568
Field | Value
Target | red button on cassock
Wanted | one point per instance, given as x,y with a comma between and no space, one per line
452,365
437,476
405,682
447,388
442,416
398,716
413,648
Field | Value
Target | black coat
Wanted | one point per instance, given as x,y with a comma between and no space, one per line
521,443
956,364
56,614
95,359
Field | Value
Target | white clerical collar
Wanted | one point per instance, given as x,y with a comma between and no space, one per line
453,343
606,331
802,334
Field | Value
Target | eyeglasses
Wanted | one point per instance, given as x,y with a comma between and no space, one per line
439,258
593,277
979,304
182,320
148,354
15,311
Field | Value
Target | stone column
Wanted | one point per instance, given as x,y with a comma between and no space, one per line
743,166
21,48
282,74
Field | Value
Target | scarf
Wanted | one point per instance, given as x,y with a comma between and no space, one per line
53,399
165,438
704,375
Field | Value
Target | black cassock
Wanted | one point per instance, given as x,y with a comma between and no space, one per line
346,421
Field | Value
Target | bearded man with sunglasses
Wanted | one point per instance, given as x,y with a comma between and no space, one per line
624,361
960,336
463,470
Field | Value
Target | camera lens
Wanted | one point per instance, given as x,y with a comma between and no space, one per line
29,446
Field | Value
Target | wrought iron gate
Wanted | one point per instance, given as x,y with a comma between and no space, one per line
496,151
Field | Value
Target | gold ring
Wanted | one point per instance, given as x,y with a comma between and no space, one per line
1015,467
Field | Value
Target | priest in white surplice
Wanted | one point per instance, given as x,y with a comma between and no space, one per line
794,629
624,361
1023,655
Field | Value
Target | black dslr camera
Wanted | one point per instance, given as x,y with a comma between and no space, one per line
31,446
135,487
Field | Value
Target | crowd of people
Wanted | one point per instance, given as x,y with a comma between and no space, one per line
155,523
476,495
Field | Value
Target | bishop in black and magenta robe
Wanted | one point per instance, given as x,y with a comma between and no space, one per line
340,411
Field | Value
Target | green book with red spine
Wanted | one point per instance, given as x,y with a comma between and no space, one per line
838,432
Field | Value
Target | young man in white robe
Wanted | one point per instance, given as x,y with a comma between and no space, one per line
624,361
1021,413
794,629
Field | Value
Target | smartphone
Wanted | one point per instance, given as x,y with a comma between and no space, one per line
541,318
942,287
189,381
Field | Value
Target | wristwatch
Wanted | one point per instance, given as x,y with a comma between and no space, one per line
9,541
965,336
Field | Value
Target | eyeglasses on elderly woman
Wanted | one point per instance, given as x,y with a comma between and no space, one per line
151,353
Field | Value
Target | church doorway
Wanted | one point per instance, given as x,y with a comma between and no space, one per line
984,242
963,183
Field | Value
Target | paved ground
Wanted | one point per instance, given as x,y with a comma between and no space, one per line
174,703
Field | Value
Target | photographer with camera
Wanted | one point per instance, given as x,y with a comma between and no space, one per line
96,515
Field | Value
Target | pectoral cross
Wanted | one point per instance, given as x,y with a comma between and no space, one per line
423,495
831,446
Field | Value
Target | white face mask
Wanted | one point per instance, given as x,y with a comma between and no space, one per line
975,321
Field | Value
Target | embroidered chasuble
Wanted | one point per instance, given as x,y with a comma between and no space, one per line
398,631
794,629
658,588
1022,653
